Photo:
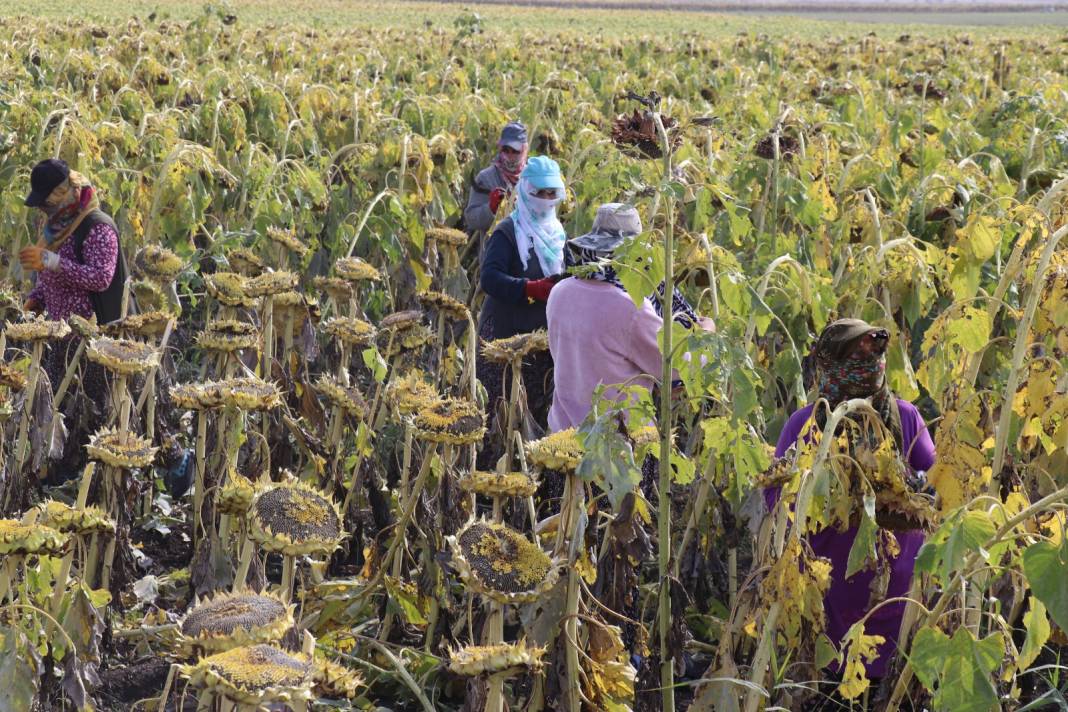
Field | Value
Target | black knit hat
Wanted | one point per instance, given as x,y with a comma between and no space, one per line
44,178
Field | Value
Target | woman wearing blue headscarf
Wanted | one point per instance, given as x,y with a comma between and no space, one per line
524,258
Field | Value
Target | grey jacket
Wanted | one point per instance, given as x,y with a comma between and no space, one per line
477,215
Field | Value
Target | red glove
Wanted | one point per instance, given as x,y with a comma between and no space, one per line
495,199
538,289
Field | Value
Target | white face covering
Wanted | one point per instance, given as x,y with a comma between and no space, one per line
537,227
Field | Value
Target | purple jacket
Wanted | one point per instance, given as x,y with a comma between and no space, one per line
846,601
65,291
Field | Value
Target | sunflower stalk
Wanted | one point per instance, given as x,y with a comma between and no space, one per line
24,422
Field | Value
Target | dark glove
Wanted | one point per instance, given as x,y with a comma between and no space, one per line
538,289
495,199
179,479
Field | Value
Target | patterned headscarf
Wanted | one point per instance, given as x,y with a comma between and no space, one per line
69,200
846,370
510,166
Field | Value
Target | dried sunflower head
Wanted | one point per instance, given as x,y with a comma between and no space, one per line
269,284
254,675
354,270
248,393
235,497
501,563
158,263
346,398
234,619
451,420
445,305
401,339
149,324
335,287
411,393
516,347
85,328
117,449
335,681
229,288
245,261
447,236
288,239
400,320
293,518
70,520
350,330
196,396
21,539
150,297
228,335
499,484
559,451
475,660
123,356
12,377
37,329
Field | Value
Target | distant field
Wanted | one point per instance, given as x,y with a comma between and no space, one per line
627,17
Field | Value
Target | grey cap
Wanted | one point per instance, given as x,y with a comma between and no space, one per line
615,222
513,135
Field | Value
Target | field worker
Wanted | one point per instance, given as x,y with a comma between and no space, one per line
77,261
850,357
596,334
524,258
493,184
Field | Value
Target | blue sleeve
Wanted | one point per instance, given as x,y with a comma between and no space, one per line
496,280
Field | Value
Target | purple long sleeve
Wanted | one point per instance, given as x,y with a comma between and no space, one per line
65,291
846,601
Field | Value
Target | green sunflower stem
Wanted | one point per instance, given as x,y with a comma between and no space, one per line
268,338
402,493
574,504
112,482
247,552
495,636
289,565
60,586
198,486
24,423
513,410
68,378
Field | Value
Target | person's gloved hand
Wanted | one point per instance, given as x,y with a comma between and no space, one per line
538,289
495,199
32,306
36,258
179,479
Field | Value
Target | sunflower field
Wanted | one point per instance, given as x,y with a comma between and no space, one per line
275,503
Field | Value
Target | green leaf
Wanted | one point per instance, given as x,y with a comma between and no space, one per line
407,600
969,535
929,648
971,330
863,549
980,237
965,684
374,361
1038,630
19,669
1046,568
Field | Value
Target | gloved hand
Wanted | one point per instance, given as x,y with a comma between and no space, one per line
31,305
36,258
495,199
538,289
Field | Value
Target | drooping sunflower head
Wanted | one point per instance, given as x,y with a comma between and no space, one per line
446,305
559,451
235,497
501,563
36,329
337,288
245,262
85,328
20,539
254,675
411,393
196,396
123,356
70,520
150,297
228,335
447,236
475,660
288,239
147,325
353,269
454,421
12,377
516,347
499,484
350,330
158,263
343,397
118,449
271,283
229,288
248,393
335,681
393,342
401,320
229,620
295,519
